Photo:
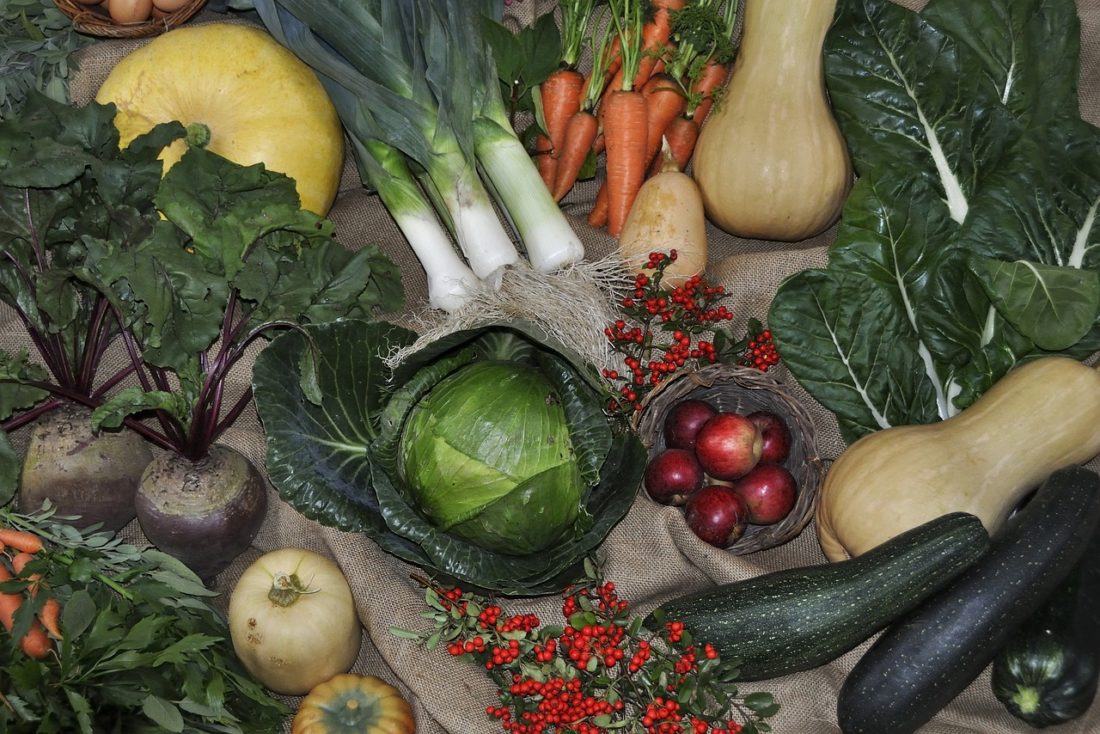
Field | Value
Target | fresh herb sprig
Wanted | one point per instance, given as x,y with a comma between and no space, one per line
601,671
37,41
143,647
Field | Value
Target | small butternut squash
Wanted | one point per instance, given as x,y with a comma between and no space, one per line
771,162
667,215
354,704
1040,417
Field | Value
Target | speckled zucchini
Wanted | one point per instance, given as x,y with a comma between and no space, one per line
799,618
927,658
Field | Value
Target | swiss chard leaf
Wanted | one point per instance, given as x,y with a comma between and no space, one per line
963,125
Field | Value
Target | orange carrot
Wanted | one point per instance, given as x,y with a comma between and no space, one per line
681,135
545,161
20,561
625,129
36,643
561,98
664,103
9,603
21,540
656,33
710,81
50,616
598,216
578,142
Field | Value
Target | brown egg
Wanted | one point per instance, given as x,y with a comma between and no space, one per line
130,11
169,6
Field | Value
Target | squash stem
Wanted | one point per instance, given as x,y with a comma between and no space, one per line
287,588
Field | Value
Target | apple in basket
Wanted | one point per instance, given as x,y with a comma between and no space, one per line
672,475
769,492
717,515
684,419
775,434
728,446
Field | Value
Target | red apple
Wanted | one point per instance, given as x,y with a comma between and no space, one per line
716,515
672,475
684,420
728,445
776,435
769,492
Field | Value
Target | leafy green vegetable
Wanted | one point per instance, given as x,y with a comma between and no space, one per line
965,245
144,649
37,41
524,59
339,462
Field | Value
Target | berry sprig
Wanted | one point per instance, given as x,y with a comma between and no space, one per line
663,331
600,672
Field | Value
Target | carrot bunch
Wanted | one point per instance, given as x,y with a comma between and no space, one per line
18,549
658,68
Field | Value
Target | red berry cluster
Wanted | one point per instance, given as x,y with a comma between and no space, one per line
760,352
602,672
662,331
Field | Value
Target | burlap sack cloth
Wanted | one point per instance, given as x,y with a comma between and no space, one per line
651,554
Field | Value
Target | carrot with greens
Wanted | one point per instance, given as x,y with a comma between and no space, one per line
36,643
583,127
625,126
564,89
655,43
705,90
20,540
664,103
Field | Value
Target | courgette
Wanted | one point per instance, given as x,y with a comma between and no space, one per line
799,618
926,658
1048,671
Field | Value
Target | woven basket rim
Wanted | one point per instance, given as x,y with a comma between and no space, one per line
93,20
808,467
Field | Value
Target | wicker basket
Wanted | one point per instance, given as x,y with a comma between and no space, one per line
94,20
744,390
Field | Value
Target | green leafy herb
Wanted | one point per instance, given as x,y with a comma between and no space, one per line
964,247
524,59
143,649
36,45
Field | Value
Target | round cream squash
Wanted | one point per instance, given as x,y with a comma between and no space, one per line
260,102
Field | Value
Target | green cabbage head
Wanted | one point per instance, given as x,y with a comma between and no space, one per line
486,456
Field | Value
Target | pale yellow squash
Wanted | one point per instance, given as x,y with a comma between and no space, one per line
261,103
1041,417
667,215
770,161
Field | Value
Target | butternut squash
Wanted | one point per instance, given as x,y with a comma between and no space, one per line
1040,417
771,162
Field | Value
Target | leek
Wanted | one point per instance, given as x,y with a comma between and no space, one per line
373,51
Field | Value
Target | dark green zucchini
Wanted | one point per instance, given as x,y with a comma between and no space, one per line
800,618
926,658
1048,671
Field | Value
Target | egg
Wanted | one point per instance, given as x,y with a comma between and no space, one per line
130,11
169,6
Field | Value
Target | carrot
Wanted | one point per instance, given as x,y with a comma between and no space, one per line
578,142
9,603
546,163
703,90
664,103
656,34
50,616
36,643
21,540
681,135
561,99
625,130
598,216
20,561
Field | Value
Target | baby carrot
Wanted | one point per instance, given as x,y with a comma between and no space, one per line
21,540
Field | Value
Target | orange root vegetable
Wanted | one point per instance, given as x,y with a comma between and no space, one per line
656,34
20,540
20,561
36,643
579,137
598,216
50,617
561,99
545,161
667,215
9,603
712,78
625,129
680,135
665,102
